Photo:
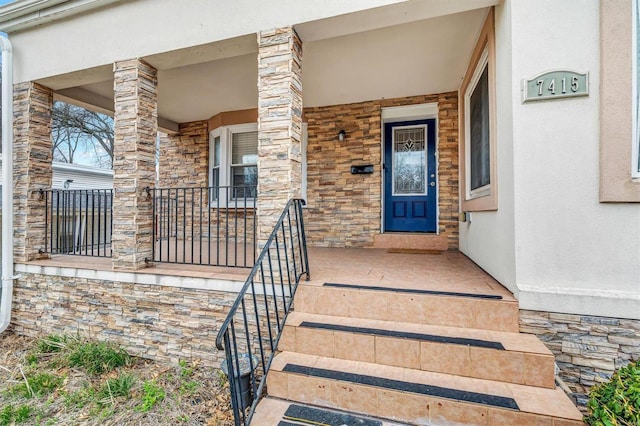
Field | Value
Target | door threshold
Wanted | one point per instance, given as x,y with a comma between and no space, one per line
411,240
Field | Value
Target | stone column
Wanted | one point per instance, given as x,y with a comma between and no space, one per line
136,123
279,124
32,159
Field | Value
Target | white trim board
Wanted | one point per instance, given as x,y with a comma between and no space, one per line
409,112
580,301
212,284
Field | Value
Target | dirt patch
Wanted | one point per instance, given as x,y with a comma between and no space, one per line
60,380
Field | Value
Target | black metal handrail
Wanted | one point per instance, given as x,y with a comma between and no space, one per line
205,225
78,221
250,333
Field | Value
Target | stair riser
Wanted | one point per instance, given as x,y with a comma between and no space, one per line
396,405
416,308
468,361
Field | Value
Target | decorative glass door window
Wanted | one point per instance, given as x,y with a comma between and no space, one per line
409,160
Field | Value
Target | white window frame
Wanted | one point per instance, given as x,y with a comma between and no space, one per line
477,73
226,137
635,142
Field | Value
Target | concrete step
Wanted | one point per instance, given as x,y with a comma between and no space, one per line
493,355
486,311
413,396
272,411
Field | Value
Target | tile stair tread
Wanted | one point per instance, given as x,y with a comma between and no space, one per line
511,341
271,411
534,400
398,286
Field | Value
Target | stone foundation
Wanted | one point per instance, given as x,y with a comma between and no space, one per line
152,321
587,348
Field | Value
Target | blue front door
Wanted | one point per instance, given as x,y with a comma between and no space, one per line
410,176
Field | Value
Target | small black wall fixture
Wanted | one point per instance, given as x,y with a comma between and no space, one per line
341,135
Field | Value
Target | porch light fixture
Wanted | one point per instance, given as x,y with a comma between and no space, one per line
341,135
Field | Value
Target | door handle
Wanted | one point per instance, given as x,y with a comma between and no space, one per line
432,184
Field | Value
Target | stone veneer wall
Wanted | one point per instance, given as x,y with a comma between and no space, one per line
32,151
344,210
151,321
279,125
587,348
184,157
134,153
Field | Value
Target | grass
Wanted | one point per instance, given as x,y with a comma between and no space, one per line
151,395
61,379
116,387
98,357
10,415
37,384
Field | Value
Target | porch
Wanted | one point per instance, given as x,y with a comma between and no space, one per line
445,271
404,321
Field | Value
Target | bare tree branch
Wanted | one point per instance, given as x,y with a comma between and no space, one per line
78,128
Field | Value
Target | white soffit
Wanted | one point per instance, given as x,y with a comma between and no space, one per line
413,58
380,17
422,57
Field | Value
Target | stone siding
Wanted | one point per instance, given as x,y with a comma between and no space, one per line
587,348
134,166
184,157
344,210
151,321
32,156
279,124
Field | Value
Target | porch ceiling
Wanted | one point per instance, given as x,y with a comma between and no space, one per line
344,61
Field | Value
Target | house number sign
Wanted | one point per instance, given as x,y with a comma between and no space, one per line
556,85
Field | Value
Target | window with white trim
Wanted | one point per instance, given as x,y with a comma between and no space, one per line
477,131
233,156
635,148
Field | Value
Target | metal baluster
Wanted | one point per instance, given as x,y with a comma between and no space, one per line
226,228
286,259
200,235
273,288
266,305
209,226
255,309
284,300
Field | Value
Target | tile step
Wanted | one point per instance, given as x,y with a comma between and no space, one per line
451,309
272,411
414,396
507,357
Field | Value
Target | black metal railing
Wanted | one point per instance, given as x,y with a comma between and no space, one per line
78,221
205,225
249,335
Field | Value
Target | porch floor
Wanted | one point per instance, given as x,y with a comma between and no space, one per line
441,271
446,271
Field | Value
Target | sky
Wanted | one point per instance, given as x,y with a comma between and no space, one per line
5,2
